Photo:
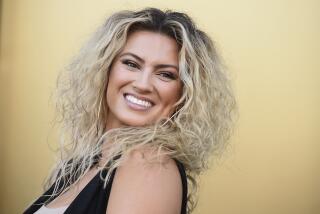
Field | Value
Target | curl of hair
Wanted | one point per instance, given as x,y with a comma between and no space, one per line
199,128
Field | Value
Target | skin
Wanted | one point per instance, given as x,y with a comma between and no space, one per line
146,78
138,186
142,188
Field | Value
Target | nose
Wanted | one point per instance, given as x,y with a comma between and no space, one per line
143,83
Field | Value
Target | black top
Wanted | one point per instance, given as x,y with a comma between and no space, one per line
93,199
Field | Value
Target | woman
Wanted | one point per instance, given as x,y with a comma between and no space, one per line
143,106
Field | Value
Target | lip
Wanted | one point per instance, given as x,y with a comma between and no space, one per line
140,98
134,106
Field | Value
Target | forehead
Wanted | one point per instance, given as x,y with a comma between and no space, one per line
152,47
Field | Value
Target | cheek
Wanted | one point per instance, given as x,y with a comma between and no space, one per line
170,93
117,78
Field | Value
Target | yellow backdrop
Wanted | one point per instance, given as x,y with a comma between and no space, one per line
272,48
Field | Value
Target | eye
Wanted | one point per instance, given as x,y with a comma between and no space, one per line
130,64
168,75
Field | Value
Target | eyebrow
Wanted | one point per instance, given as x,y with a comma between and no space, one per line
142,61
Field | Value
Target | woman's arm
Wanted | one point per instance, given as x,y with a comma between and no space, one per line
142,188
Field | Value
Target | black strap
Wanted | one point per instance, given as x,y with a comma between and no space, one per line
94,199
184,186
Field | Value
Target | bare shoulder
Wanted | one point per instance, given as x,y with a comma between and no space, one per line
144,185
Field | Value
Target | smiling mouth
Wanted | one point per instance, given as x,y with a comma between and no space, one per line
137,103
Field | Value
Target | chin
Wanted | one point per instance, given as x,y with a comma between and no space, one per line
135,121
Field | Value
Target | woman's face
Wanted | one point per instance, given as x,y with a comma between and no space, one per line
144,80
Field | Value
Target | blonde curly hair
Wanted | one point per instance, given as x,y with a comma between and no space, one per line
199,128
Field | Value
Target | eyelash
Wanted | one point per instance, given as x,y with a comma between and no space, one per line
129,63
168,75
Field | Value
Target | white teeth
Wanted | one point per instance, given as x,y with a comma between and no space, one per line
137,101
